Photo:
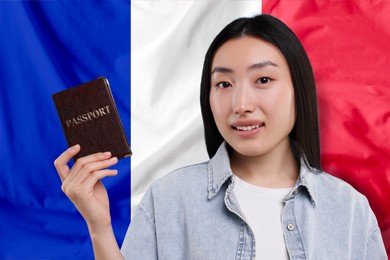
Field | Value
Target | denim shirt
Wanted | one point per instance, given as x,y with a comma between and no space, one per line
192,213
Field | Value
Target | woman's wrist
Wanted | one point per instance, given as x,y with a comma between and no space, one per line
99,229
104,242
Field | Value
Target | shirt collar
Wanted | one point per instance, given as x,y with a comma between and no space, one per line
219,172
306,180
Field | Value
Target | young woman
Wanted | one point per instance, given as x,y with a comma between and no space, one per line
262,194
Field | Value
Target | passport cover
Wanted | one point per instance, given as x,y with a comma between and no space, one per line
89,117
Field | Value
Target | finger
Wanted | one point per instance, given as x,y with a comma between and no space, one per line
98,175
83,161
61,163
92,167
79,191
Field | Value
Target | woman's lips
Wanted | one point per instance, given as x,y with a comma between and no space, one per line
248,129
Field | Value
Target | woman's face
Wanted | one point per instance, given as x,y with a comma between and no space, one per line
252,96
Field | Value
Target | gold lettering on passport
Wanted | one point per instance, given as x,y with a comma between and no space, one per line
88,116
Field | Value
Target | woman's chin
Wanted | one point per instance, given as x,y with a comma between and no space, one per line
249,150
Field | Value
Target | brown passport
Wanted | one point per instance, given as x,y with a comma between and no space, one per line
89,117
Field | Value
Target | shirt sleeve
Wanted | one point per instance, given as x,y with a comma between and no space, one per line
376,247
140,241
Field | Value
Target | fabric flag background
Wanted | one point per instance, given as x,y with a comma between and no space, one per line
46,47
348,44
49,46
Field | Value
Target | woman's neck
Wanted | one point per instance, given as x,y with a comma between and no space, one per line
277,168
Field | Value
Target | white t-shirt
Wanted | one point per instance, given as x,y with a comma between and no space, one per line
262,208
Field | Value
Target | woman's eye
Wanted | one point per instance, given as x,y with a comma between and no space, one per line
264,80
223,84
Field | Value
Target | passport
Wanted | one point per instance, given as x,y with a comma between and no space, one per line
89,117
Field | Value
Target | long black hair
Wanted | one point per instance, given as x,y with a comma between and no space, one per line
305,133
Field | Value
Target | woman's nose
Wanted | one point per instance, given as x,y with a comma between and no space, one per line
243,100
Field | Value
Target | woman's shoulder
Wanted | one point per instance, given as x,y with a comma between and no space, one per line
178,190
326,180
184,175
335,190
188,179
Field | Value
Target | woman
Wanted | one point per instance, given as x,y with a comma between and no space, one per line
262,194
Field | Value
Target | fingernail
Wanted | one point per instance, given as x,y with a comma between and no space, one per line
75,147
113,159
107,154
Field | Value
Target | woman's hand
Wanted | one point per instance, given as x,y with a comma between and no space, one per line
83,187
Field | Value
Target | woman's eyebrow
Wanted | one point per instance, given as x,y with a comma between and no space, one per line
261,65
221,70
258,65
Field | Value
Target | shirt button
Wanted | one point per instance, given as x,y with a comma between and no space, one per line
290,227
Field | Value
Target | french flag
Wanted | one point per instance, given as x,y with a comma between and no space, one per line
152,53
